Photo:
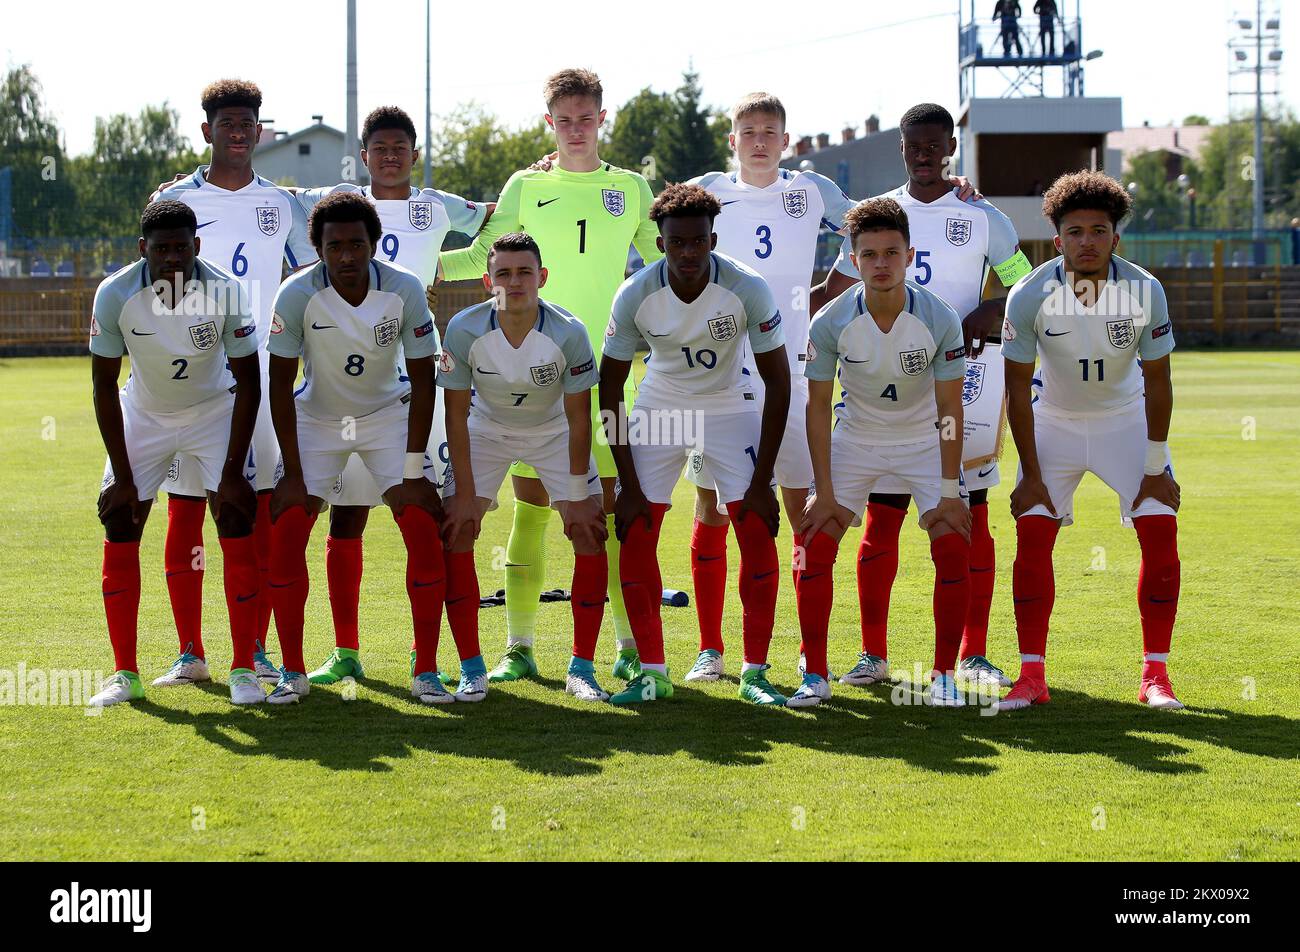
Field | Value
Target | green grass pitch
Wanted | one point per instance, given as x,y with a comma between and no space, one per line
531,773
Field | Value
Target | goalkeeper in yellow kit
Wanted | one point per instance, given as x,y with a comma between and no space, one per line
584,214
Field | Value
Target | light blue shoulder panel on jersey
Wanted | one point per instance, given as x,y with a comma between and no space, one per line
419,335
290,310
463,329
705,180
622,337
571,337
1156,338
834,202
945,327
465,216
762,318
110,297
187,184
826,329
239,337
1019,331
308,198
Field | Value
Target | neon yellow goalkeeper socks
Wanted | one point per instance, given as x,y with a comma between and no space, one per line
525,568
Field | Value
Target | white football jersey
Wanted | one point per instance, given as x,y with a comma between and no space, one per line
178,355
350,354
956,243
887,380
518,390
249,232
414,227
1089,354
774,231
696,349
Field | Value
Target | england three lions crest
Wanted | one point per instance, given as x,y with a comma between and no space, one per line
1121,333
722,328
914,362
796,202
546,375
973,385
268,220
421,214
386,332
205,336
958,232
615,201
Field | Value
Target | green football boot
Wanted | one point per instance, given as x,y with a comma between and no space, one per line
649,685
444,678
342,663
516,663
756,689
627,666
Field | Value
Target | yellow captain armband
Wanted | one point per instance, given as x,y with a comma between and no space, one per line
1013,269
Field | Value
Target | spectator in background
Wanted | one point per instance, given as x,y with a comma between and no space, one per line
1007,12
1046,10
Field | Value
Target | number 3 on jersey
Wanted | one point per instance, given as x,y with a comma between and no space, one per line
764,235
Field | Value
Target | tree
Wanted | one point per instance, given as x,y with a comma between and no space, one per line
1158,203
1196,120
41,200
639,126
1227,166
691,143
474,155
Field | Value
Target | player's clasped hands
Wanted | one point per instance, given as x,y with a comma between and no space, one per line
1030,492
461,513
1162,488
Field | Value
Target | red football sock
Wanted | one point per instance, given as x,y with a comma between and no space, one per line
183,559
797,560
1033,584
815,591
709,573
343,560
1158,580
462,603
262,539
643,587
121,587
288,582
590,582
243,595
983,562
427,584
759,580
877,566
951,556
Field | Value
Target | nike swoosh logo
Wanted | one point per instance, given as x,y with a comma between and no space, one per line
280,584
951,581
805,577
419,584
1049,333
1023,601
543,204
732,202
850,360
244,598
1162,601
142,333
708,558
118,592
765,575
321,327
868,558
181,572
480,370
592,604
984,472
207,223
593,479
973,569
453,601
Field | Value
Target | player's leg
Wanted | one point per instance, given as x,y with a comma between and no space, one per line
350,499
950,554
975,666
1062,460
658,468
877,567
708,570
184,560
1119,453
264,453
627,663
525,573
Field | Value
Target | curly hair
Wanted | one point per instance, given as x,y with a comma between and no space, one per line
344,207
572,82
167,214
758,103
927,114
516,241
684,201
1095,191
876,214
231,93
387,117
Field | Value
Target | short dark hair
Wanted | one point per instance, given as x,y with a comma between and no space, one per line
166,214
344,207
516,241
927,114
876,214
1091,190
758,103
684,201
387,117
231,93
573,82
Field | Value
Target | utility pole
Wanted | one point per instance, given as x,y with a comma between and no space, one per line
1263,45
351,148
428,97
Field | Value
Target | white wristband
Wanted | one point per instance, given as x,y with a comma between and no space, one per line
413,468
950,488
1157,453
579,488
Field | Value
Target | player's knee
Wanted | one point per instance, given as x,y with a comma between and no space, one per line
979,497
892,500
348,522
118,526
233,524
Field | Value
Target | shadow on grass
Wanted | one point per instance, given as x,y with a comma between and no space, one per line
562,739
